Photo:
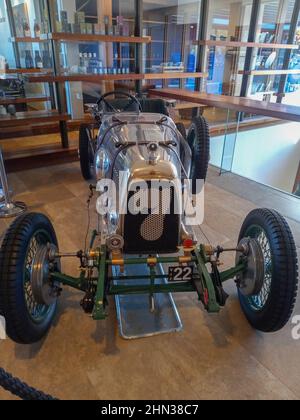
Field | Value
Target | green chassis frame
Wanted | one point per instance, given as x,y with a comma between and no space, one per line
105,286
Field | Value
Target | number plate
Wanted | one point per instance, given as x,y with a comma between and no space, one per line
180,273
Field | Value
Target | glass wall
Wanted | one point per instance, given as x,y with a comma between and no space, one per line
92,46
228,25
6,51
292,87
23,49
173,27
273,27
228,21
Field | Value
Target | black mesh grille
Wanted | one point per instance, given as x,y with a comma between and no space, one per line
152,233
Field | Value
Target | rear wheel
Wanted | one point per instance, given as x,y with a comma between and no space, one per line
199,142
272,306
27,321
86,153
182,130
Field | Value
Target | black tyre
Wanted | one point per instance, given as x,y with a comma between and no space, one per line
199,142
86,154
182,130
271,309
26,321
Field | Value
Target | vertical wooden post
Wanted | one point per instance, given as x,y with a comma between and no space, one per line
138,31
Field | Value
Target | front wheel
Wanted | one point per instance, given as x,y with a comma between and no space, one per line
271,307
27,319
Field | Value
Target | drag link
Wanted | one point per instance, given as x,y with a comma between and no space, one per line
244,249
66,255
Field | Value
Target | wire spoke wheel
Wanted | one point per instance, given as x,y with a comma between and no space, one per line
36,311
27,320
258,301
271,308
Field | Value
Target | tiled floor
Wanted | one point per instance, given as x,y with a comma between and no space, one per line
215,356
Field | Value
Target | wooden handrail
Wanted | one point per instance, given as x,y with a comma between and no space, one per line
238,104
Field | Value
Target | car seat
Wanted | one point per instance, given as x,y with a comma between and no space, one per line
156,106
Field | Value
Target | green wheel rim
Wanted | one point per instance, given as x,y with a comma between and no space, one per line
37,312
259,301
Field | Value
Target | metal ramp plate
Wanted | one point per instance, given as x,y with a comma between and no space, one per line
134,316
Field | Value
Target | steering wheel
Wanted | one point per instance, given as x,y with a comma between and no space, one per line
131,100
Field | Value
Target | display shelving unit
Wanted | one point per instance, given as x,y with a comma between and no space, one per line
57,76
250,46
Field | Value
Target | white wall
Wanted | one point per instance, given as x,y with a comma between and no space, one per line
267,155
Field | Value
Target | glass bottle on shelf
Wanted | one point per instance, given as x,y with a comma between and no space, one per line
90,63
99,66
46,59
85,62
37,29
28,60
26,29
45,26
80,62
120,23
38,60
94,64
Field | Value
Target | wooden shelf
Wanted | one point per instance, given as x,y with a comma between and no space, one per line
43,38
239,44
25,71
92,78
268,72
27,100
96,78
69,37
175,75
32,117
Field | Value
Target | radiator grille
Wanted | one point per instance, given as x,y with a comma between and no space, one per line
152,233
152,227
